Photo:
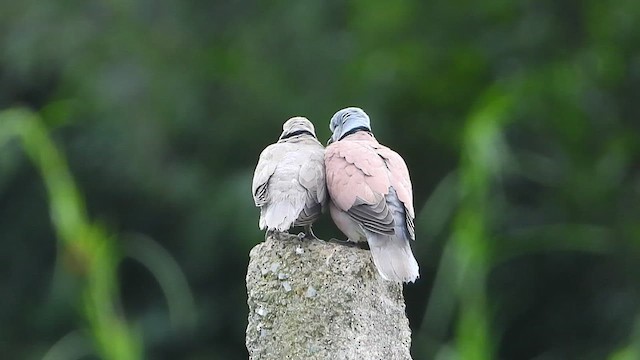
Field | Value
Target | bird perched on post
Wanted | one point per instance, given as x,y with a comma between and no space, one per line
289,180
371,195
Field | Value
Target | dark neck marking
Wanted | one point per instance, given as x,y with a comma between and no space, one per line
355,130
296,133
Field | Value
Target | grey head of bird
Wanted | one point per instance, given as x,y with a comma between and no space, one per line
297,126
348,121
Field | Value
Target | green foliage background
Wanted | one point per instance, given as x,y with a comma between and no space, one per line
125,209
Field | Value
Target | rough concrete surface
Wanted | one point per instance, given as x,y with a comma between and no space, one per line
315,300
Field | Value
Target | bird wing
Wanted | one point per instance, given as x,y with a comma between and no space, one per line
267,163
312,173
357,181
399,179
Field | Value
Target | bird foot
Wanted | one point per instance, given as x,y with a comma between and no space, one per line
360,245
269,233
310,235
281,235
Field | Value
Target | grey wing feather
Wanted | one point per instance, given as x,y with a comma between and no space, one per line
312,175
410,225
312,178
373,217
309,215
267,164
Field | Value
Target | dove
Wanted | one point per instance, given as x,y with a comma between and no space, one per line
370,194
289,180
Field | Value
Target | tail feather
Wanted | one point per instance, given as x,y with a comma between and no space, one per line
393,258
392,253
280,215
309,214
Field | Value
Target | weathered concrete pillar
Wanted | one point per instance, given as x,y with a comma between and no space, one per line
315,300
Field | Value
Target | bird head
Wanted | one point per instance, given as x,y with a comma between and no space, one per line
297,126
348,121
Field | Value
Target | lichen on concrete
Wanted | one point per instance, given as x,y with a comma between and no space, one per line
311,299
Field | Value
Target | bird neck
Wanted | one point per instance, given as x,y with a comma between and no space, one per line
355,130
296,133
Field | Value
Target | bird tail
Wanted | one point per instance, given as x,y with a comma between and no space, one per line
393,258
309,214
280,215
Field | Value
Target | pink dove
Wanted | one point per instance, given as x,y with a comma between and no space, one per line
288,182
371,195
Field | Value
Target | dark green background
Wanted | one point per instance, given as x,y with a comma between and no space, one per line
519,121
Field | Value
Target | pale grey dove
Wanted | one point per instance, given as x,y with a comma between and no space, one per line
371,195
289,182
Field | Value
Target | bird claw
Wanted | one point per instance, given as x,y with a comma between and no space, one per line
306,234
360,245
309,233
269,233
311,236
279,235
